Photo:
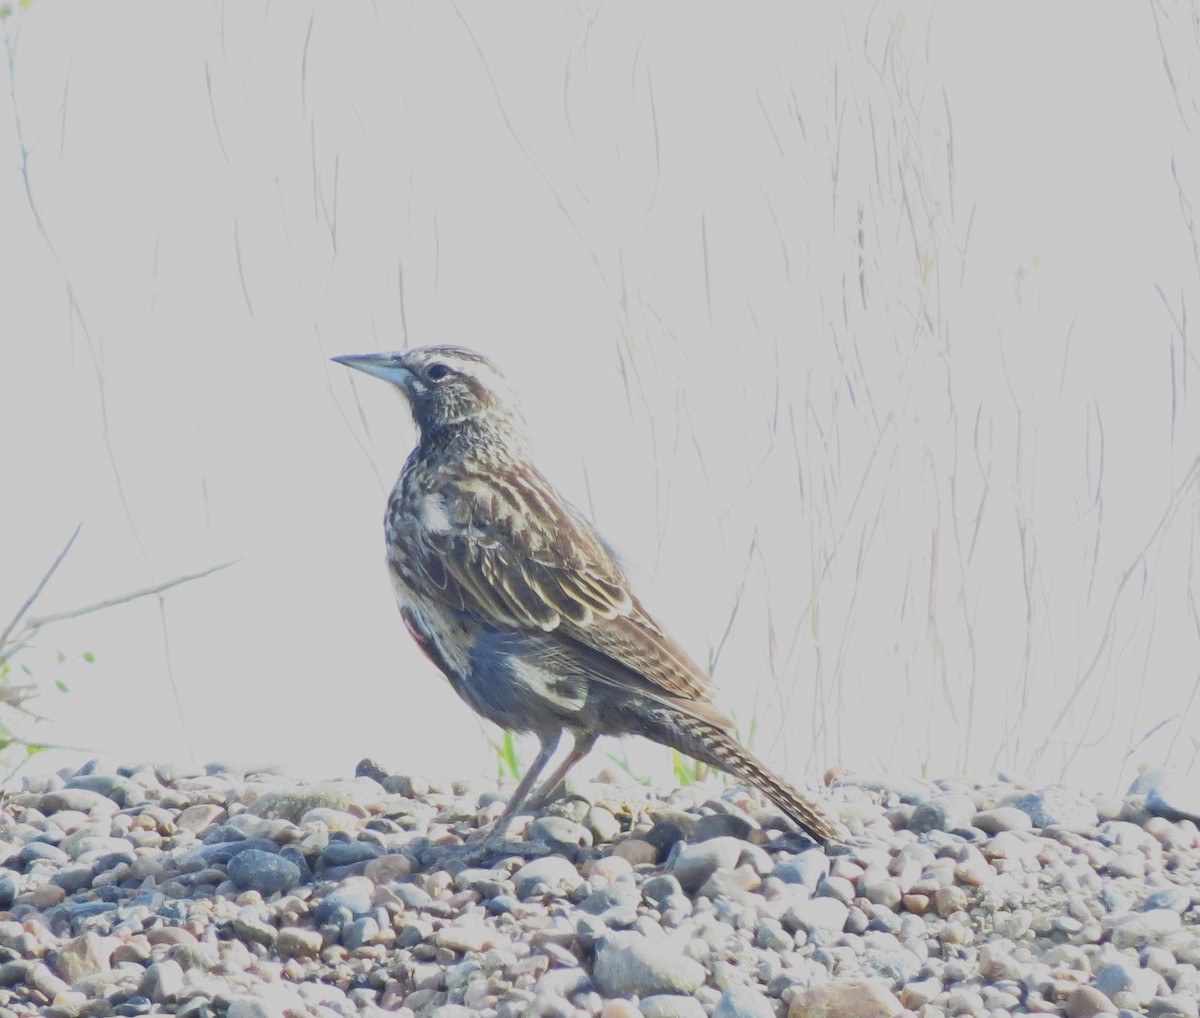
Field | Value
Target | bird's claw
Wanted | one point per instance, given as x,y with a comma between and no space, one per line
487,849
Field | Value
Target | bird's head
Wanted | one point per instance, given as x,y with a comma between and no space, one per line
445,385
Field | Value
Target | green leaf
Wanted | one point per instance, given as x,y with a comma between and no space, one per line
623,762
510,757
62,686
89,657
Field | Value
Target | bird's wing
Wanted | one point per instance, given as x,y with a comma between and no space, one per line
515,552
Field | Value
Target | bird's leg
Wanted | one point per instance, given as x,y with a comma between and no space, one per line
493,844
549,743
583,745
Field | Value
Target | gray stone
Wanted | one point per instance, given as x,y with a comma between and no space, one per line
265,872
248,927
1139,929
947,811
773,937
629,965
1123,834
618,894
416,897
82,799
656,890
896,964
603,825
551,872
818,914
292,803
354,895
73,878
298,942
696,863
1004,818
808,868
743,1002
1056,807
1173,1005
163,981
1125,977
359,932
84,956
122,791
452,1011
846,998
1175,898
1087,1002
341,853
671,1005
838,888
554,830
40,851
252,1007
721,825
912,791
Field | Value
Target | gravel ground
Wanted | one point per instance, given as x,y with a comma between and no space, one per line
222,892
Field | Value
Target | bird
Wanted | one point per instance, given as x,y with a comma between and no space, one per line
515,597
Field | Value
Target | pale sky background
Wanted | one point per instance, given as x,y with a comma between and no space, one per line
860,330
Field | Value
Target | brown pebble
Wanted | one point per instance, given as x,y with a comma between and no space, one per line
948,900
135,949
620,1009
610,867
170,935
1087,1002
46,896
917,904
42,979
1003,818
198,819
387,868
848,998
636,852
298,942
393,996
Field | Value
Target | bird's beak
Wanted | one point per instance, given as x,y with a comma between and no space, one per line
388,366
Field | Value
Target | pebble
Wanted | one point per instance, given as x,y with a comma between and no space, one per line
948,811
1056,807
671,1005
1137,929
1003,818
743,1002
848,998
216,891
808,868
265,872
629,965
1122,977
824,914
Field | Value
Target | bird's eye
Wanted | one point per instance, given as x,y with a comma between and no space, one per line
437,372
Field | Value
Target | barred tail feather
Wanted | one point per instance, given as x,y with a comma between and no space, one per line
717,747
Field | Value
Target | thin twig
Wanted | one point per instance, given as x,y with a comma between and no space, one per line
37,591
133,595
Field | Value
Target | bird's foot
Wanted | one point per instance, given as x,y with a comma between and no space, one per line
490,848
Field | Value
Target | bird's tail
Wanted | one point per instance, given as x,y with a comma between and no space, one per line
715,746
